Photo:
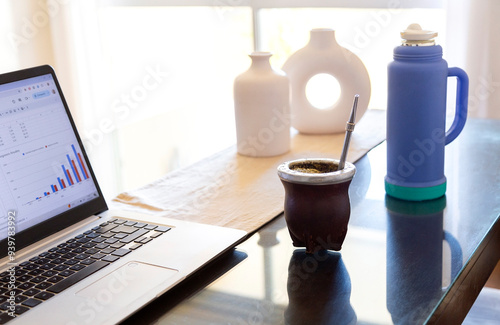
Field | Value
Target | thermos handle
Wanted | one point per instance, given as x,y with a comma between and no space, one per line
461,104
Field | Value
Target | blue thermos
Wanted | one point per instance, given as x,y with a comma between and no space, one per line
416,112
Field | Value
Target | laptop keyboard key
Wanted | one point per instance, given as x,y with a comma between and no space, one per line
110,258
87,261
121,252
31,302
120,236
30,267
53,256
138,240
92,251
130,238
38,279
106,228
42,261
43,285
81,257
156,234
146,240
135,246
26,285
47,266
117,245
107,251
5,317
21,309
31,292
77,267
19,299
23,278
68,255
61,267
49,273
125,229
98,256
69,281
35,272
44,295
58,260
101,246
66,273
55,279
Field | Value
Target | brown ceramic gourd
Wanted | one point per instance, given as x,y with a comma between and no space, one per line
317,206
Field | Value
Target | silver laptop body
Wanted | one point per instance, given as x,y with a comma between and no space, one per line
49,197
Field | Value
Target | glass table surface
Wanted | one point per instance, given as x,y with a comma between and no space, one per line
402,262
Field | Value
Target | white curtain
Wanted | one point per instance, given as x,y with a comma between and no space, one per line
39,33
63,34
473,44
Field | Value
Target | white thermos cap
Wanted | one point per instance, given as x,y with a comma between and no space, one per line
413,35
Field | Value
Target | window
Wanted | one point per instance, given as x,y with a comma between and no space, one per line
153,80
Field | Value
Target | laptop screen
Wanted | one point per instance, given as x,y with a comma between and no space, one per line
43,170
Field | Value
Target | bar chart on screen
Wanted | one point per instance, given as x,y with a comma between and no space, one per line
46,175
52,170
67,176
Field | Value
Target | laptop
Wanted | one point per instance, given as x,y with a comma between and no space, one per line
66,258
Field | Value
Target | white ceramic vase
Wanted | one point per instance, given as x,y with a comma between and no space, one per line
262,109
323,55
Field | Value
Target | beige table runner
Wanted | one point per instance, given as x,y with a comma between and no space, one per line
235,191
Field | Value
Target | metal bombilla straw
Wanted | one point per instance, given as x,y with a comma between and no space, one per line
348,130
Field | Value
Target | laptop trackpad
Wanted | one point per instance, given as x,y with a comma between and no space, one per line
127,283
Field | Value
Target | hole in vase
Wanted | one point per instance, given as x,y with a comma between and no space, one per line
323,91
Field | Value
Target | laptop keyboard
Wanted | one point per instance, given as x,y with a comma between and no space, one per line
49,273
